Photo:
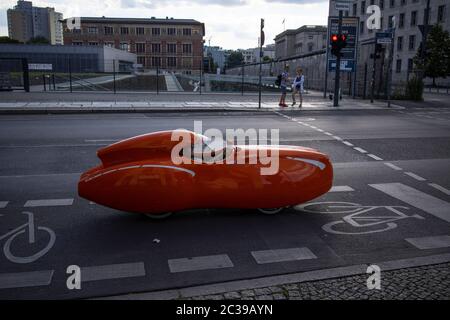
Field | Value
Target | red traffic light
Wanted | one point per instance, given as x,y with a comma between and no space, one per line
343,37
334,38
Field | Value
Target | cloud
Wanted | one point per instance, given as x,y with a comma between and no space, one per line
160,3
299,2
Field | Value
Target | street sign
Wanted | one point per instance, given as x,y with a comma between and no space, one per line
342,5
350,28
40,66
383,37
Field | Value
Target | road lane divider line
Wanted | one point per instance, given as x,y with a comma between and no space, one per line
427,243
337,138
393,166
415,176
26,279
348,144
341,189
361,150
432,205
112,271
48,203
200,263
375,157
282,255
436,186
3,204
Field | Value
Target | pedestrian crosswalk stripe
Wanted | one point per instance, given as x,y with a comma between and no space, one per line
200,263
25,279
432,205
48,203
440,188
282,255
426,243
3,204
112,271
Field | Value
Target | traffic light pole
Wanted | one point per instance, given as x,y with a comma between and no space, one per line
338,67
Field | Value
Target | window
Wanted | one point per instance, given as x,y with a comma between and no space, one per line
156,31
156,48
310,47
124,30
381,23
171,31
413,18
390,21
441,13
392,3
363,7
109,44
401,21
187,48
77,43
381,4
187,32
361,27
372,2
109,30
124,46
140,47
171,62
93,43
172,48
141,60
92,30
410,65
403,2
412,42
355,9
140,31
399,43
398,66
156,61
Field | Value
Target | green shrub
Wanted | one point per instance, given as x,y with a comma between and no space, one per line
414,89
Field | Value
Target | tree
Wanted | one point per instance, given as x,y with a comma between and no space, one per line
235,59
8,40
436,62
38,40
267,59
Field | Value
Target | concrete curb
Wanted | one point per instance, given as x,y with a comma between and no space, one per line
308,276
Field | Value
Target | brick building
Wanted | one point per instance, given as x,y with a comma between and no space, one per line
170,44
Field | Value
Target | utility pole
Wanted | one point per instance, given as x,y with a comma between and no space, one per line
391,62
261,44
338,67
425,38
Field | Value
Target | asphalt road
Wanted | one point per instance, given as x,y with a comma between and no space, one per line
382,159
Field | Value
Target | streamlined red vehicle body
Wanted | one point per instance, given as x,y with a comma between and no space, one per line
138,175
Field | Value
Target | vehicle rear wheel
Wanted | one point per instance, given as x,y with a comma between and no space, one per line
271,211
160,216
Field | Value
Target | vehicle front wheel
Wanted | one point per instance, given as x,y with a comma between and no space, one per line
271,211
160,216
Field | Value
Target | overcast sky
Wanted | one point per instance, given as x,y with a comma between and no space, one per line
230,24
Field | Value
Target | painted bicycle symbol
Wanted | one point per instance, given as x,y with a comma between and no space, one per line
360,218
31,231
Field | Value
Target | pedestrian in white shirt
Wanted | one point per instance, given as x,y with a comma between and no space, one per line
298,86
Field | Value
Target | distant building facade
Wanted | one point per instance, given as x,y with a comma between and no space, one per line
217,54
171,44
294,42
26,22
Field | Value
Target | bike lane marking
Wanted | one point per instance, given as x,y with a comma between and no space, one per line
432,205
200,263
426,243
26,279
48,203
112,271
282,255
3,204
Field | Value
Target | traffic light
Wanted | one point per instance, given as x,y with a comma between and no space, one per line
338,42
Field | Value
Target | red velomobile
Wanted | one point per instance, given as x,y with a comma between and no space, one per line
138,175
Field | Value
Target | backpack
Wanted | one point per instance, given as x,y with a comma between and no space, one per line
278,81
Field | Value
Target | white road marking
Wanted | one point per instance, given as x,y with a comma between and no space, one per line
432,205
393,166
112,271
48,203
415,176
440,188
337,138
282,255
348,143
25,279
375,157
200,263
328,134
3,204
360,150
427,243
320,130
342,189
